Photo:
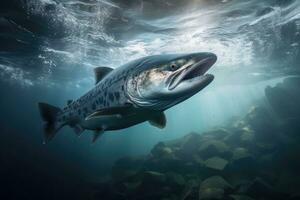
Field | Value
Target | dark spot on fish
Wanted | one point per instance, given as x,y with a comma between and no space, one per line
122,88
111,97
100,100
79,112
117,95
85,110
94,106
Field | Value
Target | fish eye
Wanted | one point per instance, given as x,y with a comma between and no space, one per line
173,66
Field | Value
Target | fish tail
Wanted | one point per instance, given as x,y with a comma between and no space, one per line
49,115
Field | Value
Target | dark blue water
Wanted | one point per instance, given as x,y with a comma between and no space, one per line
48,49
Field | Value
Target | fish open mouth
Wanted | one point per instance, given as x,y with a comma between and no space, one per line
191,72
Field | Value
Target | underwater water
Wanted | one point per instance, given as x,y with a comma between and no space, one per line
236,139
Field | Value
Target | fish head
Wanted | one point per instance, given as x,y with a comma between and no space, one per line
163,81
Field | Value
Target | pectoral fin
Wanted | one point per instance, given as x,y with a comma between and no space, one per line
159,121
119,110
101,72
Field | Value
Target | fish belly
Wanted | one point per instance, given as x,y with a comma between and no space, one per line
113,122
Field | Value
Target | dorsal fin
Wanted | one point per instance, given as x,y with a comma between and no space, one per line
101,72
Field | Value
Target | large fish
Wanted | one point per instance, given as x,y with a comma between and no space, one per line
136,92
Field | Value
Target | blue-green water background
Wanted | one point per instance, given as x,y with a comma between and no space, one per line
49,48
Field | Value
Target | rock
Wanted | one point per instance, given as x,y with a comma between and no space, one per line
211,194
216,163
153,186
132,185
268,168
290,127
253,146
284,98
161,151
234,138
257,188
266,147
241,135
190,190
288,183
175,179
189,146
239,153
197,159
242,167
240,197
247,135
154,177
213,188
217,134
211,148
242,159
262,124
215,182
126,167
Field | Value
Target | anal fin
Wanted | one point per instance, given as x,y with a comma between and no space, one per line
78,130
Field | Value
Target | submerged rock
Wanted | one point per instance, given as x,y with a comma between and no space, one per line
240,153
154,177
215,182
213,188
175,178
211,148
254,146
189,145
132,185
284,98
262,124
190,191
243,161
216,163
211,193
257,188
240,197
217,134
126,167
161,151
288,183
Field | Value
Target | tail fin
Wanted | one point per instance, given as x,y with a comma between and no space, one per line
51,126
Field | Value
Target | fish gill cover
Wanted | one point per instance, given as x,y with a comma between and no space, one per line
246,144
